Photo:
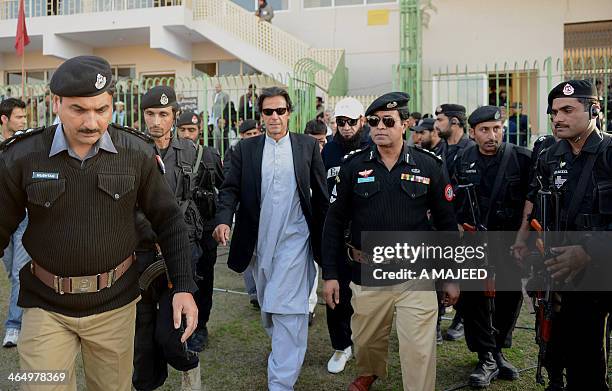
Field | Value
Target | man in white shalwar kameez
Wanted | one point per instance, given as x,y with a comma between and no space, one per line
289,223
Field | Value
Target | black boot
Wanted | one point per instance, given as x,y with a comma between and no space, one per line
507,371
455,331
555,380
485,371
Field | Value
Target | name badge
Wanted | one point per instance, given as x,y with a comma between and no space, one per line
45,175
365,180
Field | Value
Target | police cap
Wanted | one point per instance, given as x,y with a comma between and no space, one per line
573,89
390,101
247,125
188,118
484,114
82,76
451,110
159,97
426,124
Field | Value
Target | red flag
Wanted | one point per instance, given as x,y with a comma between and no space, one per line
22,39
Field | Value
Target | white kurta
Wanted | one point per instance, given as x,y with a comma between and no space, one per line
283,268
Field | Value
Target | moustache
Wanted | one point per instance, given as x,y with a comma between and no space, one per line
88,131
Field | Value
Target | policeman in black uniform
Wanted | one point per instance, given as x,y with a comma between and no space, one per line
499,173
450,123
209,176
389,186
579,167
154,348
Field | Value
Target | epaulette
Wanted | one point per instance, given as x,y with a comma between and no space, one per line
352,154
135,132
430,153
20,135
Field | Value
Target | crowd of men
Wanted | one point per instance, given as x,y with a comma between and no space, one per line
111,234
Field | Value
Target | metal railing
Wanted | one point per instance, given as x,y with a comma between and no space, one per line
527,82
195,94
36,8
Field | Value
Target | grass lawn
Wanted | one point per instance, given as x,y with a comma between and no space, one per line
236,358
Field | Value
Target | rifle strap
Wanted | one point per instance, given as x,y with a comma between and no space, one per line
198,159
585,177
499,179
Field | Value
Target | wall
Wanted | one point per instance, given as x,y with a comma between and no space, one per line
370,50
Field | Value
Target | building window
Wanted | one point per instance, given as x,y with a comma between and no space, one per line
208,69
124,72
340,3
32,76
252,5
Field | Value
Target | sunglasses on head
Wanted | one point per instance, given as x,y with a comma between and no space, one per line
343,121
279,111
374,120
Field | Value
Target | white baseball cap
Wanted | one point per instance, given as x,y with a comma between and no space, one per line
349,107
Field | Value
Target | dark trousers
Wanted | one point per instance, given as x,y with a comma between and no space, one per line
205,271
156,342
339,319
584,316
477,318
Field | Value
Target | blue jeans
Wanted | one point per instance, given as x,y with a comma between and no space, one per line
15,257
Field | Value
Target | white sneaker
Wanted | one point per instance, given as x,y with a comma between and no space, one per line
10,338
191,380
337,362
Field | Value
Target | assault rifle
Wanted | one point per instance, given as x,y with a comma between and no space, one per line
542,299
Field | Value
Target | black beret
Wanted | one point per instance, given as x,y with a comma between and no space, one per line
426,124
188,118
247,125
573,89
390,101
158,97
82,76
484,114
451,110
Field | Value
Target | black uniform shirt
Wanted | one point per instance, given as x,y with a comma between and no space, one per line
372,198
474,167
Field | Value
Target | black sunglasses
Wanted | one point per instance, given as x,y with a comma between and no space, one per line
341,122
279,111
374,120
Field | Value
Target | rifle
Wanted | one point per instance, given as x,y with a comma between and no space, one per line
542,300
489,282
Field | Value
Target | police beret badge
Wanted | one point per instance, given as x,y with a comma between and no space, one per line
194,119
100,82
497,115
163,99
568,90
391,105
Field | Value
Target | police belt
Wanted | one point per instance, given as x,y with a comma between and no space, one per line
81,284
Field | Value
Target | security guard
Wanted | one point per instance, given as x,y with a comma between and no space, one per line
499,173
579,168
80,182
209,177
155,349
388,186
450,126
430,138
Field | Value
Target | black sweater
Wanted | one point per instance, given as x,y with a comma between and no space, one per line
82,220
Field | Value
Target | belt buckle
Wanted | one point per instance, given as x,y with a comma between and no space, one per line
86,284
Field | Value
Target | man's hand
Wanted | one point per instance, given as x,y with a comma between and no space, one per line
568,263
450,293
519,250
221,234
331,293
183,303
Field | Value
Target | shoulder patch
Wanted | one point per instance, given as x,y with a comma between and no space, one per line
20,135
428,152
135,132
352,154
